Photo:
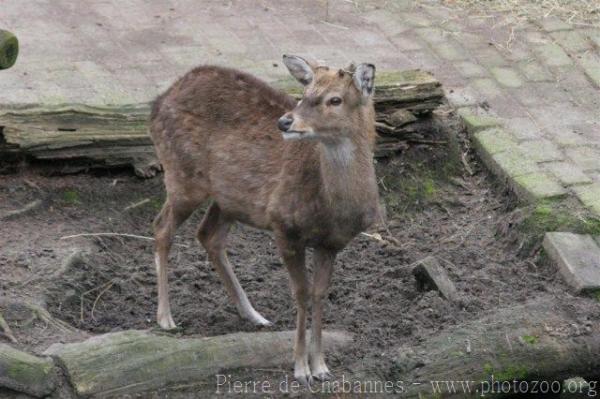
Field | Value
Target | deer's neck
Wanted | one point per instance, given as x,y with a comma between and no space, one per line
347,173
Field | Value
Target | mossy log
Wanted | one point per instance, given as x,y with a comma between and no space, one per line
117,135
538,340
137,361
26,373
9,49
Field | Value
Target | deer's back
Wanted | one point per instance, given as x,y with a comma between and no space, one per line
215,133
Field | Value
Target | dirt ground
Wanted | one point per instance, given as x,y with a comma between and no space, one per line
435,207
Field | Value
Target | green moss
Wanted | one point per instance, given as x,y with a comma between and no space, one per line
556,215
476,122
511,372
508,373
562,216
488,369
71,197
156,203
530,339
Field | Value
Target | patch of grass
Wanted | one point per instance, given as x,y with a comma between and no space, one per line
156,203
565,215
584,11
508,373
415,180
530,339
71,197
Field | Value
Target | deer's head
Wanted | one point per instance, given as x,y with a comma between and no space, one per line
336,104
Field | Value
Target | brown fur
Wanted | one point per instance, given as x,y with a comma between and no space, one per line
215,133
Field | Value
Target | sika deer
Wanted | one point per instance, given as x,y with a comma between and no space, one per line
312,184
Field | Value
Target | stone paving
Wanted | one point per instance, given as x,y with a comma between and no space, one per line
527,90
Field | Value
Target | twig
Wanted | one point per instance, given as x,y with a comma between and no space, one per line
27,208
98,298
107,235
335,25
465,163
7,331
113,235
137,204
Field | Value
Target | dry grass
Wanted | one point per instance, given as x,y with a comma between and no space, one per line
578,12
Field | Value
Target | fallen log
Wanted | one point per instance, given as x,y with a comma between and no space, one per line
539,340
26,373
9,49
135,361
110,136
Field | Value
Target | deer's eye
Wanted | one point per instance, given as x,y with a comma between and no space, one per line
335,101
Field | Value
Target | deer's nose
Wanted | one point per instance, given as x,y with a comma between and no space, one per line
285,122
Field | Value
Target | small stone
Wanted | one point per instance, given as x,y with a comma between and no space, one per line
507,77
552,24
541,150
589,195
494,141
432,35
450,51
511,164
568,173
523,128
535,72
577,257
572,41
430,274
538,186
587,158
552,54
469,69
477,120
487,87
591,65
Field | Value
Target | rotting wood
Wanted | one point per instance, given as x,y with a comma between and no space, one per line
23,372
538,340
136,361
116,136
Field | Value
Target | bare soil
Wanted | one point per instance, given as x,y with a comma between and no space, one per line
435,207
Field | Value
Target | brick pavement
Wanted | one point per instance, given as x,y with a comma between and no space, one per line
528,90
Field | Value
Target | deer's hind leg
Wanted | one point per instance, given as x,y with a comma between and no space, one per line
212,234
171,216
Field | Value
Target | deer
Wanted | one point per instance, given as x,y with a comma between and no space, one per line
302,170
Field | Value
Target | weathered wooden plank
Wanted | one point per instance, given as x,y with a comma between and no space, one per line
133,361
117,135
26,373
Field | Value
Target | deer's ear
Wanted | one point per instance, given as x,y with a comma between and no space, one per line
299,68
364,78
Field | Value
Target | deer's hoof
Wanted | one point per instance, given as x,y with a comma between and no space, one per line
166,323
258,320
304,379
324,375
302,374
263,323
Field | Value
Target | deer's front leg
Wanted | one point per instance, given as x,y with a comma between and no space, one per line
323,268
293,257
